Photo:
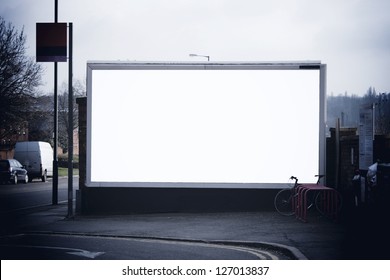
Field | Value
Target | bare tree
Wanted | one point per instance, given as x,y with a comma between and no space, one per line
40,124
79,89
347,107
19,77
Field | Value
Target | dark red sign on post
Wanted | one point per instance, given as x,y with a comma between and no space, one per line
51,42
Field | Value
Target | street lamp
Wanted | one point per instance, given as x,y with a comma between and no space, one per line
193,54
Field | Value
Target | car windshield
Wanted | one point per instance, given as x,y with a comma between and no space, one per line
17,164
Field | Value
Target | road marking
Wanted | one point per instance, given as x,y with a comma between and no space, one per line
259,253
72,251
86,254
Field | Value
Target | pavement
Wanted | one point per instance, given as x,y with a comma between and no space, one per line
357,236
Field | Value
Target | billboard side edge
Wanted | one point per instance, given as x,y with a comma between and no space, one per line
322,125
89,122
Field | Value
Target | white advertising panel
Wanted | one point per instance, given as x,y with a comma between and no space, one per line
203,125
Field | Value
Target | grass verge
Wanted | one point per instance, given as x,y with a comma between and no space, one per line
62,171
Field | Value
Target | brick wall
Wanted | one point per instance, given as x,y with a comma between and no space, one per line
82,149
339,174
82,103
349,155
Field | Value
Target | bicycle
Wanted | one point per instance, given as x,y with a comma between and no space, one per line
286,200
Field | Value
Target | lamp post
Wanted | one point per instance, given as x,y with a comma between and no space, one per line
193,54
55,151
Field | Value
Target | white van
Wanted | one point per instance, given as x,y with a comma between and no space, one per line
37,157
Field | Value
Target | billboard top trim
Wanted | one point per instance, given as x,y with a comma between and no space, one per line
204,64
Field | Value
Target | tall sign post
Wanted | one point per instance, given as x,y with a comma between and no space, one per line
55,151
70,126
52,47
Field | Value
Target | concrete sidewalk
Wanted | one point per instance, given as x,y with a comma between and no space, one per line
319,238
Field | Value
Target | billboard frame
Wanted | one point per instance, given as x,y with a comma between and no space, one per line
122,65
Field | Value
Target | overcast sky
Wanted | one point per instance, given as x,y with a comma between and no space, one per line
351,36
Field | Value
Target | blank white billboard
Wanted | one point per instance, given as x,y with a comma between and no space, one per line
203,125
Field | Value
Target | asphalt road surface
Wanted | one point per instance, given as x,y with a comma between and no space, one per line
37,193
20,205
75,247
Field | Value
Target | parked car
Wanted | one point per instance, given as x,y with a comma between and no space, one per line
12,171
37,157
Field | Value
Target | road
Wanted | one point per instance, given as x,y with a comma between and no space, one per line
37,193
44,246
25,207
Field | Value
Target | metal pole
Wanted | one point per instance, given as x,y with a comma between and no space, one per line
55,11
322,124
55,153
70,120
337,165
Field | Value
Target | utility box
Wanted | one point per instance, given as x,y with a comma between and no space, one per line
383,185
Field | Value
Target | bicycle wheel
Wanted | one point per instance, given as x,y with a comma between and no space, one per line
284,202
329,204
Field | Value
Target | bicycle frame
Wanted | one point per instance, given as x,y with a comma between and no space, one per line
301,197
